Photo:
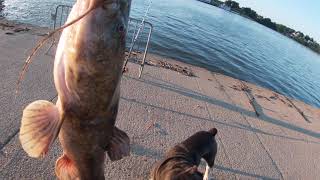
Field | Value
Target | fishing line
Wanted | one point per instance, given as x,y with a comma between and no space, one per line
136,35
44,40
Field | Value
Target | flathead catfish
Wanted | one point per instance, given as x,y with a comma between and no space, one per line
87,73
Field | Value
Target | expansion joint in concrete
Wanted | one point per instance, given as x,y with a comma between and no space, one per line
256,106
265,149
9,139
299,111
252,100
212,118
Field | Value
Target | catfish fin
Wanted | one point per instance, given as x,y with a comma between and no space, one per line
39,128
119,146
65,168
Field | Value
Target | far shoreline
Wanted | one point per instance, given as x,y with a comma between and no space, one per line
252,20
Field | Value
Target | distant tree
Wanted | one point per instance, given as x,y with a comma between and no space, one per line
307,38
300,34
259,17
290,30
249,12
233,5
228,3
284,29
216,2
281,28
268,23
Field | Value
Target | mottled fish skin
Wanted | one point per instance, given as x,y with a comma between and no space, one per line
87,74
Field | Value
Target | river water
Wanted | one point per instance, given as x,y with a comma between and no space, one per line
209,37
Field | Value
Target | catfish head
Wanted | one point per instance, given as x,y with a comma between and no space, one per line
99,37
93,52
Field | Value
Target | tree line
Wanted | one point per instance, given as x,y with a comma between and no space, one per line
253,15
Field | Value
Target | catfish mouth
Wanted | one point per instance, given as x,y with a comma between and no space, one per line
110,7
103,3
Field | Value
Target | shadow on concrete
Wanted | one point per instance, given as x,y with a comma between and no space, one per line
140,150
235,171
162,131
201,97
239,126
256,130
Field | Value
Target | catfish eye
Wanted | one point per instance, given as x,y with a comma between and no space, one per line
120,28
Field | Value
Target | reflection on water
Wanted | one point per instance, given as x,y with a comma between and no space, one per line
203,35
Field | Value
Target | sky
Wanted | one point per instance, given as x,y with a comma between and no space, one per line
301,15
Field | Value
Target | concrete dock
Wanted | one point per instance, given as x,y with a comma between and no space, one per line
261,134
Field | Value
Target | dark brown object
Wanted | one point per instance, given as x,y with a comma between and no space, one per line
181,162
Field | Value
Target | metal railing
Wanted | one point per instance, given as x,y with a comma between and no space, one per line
138,35
59,18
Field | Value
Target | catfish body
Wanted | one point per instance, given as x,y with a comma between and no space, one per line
87,74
